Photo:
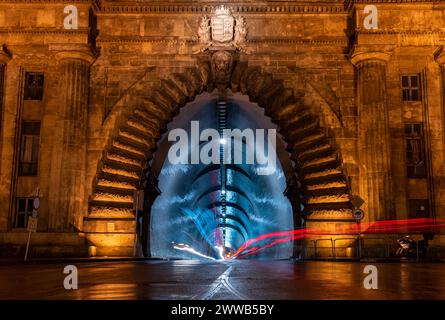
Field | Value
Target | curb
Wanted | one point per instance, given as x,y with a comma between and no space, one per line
77,260
378,260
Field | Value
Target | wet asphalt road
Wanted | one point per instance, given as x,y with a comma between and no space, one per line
213,280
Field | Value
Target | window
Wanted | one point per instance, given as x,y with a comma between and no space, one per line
411,87
415,155
418,208
29,148
24,211
34,86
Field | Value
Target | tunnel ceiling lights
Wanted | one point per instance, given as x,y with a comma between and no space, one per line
216,167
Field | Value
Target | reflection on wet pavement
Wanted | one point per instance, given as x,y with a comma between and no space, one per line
213,280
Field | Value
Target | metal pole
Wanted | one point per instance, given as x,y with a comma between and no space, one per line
417,251
27,245
315,248
359,241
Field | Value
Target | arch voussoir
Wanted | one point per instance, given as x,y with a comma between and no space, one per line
323,183
154,110
262,86
283,98
269,95
183,85
254,83
173,91
162,100
196,79
244,87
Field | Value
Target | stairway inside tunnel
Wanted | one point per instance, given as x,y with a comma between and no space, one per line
208,210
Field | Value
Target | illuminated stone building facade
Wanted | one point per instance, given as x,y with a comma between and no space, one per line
361,110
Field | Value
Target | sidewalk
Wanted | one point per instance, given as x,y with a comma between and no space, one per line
12,261
380,260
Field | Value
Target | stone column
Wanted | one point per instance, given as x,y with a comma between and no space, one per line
440,59
292,192
438,176
442,78
373,135
2,82
151,193
4,201
4,59
69,154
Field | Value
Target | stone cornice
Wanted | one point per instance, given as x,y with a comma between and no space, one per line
352,2
246,5
47,1
292,40
400,32
140,39
259,40
206,8
349,4
80,31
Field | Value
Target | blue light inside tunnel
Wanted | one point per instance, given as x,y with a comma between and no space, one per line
206,207
205,221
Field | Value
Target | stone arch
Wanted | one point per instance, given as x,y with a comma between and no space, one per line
152,104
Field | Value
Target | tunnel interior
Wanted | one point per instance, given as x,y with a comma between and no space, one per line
208,210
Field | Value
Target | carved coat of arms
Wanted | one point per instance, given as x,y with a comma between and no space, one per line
222,26
222,30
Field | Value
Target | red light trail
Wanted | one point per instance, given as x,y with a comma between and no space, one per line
387,226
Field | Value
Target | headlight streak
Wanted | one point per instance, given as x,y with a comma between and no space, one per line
220,252
274,238
192,251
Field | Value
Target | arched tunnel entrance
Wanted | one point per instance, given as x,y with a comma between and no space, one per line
208,210
308,186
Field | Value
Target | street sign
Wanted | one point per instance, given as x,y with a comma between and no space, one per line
358,214
32,221
32,224
35,207
36,203
357,201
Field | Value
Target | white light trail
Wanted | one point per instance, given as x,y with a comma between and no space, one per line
193,251
220,251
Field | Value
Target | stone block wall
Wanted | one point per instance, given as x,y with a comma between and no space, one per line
313,49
